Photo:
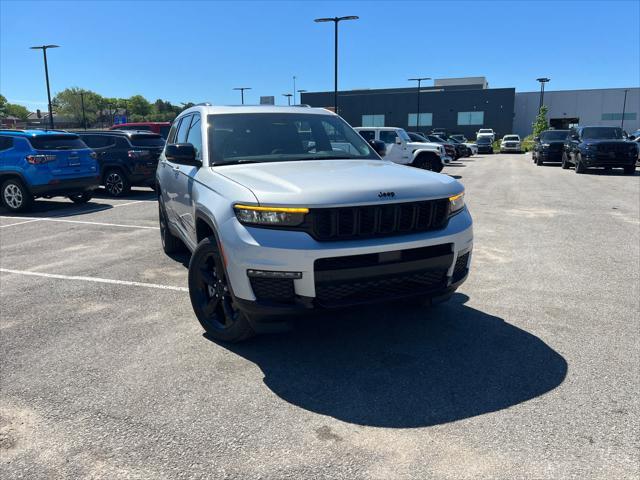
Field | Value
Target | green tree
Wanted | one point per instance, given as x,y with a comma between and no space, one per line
138,106
3,106
12,110
69,103
540,124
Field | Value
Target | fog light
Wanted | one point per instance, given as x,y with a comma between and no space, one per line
273,274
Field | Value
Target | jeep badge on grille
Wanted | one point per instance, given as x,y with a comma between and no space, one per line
386,194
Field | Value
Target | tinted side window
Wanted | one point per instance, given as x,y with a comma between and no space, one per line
194,136
368,134
98,141
171,138
183,129
388,136
6,143
122,143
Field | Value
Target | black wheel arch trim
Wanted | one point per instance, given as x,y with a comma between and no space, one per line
7,174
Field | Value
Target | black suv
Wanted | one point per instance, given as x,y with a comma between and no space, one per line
587,147
126,158
548,146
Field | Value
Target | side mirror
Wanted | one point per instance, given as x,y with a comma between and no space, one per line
183,154
379,147
632,137
575,137
398,141
537,139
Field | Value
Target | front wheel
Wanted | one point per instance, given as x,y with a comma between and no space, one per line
211,297
15,195
81,198
630,170
539,161
565,161
580,168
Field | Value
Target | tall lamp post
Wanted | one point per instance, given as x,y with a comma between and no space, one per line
46,74
419,80
542,81
242,89
335,21
288,95
624,108
300,92
84,117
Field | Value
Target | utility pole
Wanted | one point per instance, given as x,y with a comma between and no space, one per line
335,21
419,80
288,95
542,81
46,74
242,89
624,108
84,117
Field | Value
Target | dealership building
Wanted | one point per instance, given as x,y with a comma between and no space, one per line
463,105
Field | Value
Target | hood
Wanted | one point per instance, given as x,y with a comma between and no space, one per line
329,183
418,145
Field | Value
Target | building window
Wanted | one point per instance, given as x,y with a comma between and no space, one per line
373,120
426,120
470,118
618,116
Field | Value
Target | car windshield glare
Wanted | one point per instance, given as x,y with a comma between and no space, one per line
602,133
511,138
279,137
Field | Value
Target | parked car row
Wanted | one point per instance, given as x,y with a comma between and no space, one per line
49,163
587,147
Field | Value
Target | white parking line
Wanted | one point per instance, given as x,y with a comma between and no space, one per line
19,223
103,224
94,279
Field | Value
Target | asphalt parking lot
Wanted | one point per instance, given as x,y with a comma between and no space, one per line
530,371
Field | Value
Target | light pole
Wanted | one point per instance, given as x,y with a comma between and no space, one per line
242,89
294,90
288,95
300,96
46,74
419,80
84,118
542,81
624,108
335,21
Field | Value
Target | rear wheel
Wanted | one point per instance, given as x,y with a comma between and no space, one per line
15,195
211,297
80,198
170,243
116,183
630,170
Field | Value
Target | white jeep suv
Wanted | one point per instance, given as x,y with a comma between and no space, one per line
486,132
288,209
400,149
511,143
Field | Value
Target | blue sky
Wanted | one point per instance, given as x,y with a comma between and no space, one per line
198,51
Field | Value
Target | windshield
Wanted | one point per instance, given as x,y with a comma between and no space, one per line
57,142
404,135
281,137
602,133
485,130
554,135
512,138
147,141
483,140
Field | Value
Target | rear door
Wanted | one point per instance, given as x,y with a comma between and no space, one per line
68,156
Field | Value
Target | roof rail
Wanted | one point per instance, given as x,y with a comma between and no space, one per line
12,130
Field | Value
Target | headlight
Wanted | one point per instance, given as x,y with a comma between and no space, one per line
456,204
270,216
546,145
591,146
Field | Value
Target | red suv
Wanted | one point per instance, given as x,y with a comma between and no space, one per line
161,128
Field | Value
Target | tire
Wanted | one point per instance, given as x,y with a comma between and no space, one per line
15,196
211,297
116,183
426,162
170,243
81,198
539,162
630,170
565,161
580,168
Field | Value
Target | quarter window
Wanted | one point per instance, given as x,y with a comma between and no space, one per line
470,118
373,120
368,134
183,129
194,137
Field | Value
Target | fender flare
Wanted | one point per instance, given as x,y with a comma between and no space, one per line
14,173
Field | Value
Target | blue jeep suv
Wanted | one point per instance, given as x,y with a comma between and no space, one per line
45,163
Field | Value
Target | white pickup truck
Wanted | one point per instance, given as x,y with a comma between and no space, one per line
400,148
486,132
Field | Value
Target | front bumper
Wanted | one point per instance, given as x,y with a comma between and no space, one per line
603,160
550,155
288,251
65,187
